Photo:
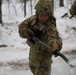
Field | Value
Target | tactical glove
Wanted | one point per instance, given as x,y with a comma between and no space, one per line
30,33
56,46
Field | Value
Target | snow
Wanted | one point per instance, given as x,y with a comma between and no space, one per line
14,57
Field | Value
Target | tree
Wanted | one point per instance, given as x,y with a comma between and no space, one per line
31,6
1,11
61,3
52,1
24,8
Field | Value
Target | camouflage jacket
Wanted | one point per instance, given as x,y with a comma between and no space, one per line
73,9
47,32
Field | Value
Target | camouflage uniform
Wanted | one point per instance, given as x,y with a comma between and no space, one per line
48,4
40,59
73,9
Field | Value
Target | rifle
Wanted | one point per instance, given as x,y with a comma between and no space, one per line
71,16
48,47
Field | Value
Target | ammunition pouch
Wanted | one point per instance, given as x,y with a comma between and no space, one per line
38,33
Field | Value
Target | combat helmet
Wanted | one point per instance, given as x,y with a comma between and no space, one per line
44,6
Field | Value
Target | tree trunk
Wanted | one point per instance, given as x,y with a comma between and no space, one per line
61,3
31,6
24,8
1,11
52,7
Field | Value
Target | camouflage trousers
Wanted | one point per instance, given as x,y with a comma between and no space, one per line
40,63
39,69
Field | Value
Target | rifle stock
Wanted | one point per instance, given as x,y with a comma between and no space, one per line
71,16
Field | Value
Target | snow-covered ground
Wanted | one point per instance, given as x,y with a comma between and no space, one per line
14,51
15,62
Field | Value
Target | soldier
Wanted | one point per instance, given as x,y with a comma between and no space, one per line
43,26
73,9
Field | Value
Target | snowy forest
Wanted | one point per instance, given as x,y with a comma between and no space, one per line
14,51
14,7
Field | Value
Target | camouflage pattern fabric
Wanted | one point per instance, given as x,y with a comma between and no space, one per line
73,9
40,59
44,7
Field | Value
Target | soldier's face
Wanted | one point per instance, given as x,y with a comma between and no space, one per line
43,17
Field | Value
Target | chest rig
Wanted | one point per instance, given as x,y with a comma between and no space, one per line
41,29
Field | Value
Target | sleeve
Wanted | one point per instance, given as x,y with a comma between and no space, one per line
23,27
73,9
54,40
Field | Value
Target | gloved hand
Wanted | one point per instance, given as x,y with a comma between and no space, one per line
55,47
52,52
30,32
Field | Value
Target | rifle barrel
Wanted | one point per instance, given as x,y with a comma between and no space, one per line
47,46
